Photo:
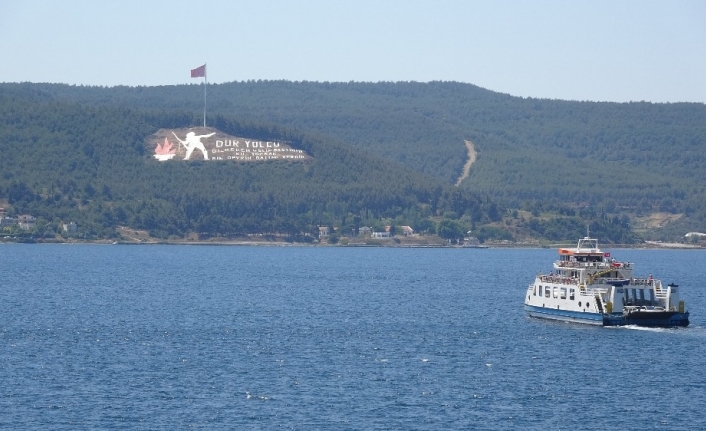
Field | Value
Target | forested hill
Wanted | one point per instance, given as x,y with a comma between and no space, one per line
551,158
64,161
640,157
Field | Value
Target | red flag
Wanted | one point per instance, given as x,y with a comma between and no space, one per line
198,72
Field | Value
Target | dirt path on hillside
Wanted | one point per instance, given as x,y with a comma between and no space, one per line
471,159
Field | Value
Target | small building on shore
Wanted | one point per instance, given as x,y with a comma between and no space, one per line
26,222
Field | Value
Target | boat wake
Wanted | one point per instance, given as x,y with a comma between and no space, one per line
693,331
643,328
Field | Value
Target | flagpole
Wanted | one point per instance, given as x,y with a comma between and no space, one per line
205,84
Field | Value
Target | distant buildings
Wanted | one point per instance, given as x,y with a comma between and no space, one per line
27,222
406,230
385,234
369,232
365,232
695,234
5,220
8,221
389,232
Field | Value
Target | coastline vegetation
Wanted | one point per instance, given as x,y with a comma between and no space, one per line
385,154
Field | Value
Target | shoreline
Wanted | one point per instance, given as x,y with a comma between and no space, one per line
648,245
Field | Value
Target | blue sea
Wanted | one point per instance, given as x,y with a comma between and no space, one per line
330,338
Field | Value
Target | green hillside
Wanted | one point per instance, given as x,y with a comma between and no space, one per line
562,162
63,161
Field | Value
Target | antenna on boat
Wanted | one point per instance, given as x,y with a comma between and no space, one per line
588,231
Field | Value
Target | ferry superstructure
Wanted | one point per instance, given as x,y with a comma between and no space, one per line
587,285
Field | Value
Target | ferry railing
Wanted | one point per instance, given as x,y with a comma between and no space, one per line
596,265
590,291
558,279
649,282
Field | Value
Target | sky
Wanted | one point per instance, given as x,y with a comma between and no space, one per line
619,51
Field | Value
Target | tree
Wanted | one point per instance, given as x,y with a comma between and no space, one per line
449,229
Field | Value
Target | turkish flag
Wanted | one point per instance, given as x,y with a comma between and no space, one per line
198,72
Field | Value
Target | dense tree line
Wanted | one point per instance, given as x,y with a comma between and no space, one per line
66,161
628,159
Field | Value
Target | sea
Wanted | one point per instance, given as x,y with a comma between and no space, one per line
178,337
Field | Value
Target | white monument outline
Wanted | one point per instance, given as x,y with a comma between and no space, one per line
194,141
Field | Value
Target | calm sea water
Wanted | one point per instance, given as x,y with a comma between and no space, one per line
178,337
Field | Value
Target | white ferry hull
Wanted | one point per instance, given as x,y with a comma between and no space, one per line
647,319
565,315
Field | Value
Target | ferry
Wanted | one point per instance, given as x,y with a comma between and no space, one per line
589,286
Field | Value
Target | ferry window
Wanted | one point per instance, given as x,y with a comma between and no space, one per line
579,303
563,293
556,292
547,291
571,294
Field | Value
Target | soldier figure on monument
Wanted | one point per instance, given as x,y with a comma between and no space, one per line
194,141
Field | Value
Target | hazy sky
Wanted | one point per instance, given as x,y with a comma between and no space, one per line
569,49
